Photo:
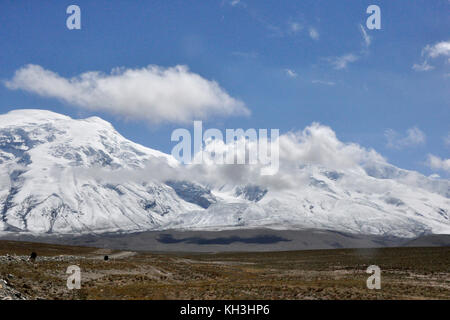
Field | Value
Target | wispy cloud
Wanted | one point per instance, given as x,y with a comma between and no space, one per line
327,83
414,137
244,54
152,93
275,31
436,163
235,3
313,33
291,73
422,67
342,62
447,140
295,27
366,37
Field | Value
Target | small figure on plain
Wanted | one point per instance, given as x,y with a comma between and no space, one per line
106,258
33,256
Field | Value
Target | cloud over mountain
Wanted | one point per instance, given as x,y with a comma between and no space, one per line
152,93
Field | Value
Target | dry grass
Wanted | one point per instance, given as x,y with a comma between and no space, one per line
407,273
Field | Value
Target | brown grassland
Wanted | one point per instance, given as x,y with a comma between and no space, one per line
407,273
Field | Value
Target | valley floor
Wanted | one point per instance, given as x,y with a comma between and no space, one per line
406,273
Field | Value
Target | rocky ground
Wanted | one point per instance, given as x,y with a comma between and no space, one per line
407,273
9,293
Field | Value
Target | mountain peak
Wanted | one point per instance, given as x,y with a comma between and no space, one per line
24,117
30,115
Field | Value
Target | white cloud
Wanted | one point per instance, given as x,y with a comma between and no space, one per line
438,49
422,67
328,83
318,144
437,163
314,34
291,73
431,52
366,37
342,62
315,145
414,136
153,93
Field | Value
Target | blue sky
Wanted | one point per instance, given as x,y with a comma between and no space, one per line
290,63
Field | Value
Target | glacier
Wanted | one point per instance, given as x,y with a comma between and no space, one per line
60,175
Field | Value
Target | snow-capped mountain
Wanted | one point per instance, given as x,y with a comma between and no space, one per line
61,175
